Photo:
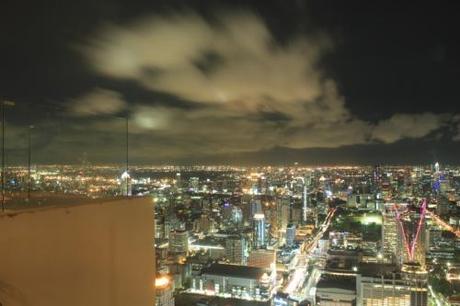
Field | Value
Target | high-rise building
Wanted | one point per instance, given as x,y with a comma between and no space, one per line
412,231
376,179
227,209
305,209
234,280
164,290
262,258
236,250
93,239
204,224
256,208
390,234
385,285
159,227
442,206
301,187
437,167
237,216
259,231
354,200
283,211
194,183
178,180
125,184
296,213
178,241
336,290
290,235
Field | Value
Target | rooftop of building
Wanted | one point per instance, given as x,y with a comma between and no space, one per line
48,244
337,281
377,269
234,271
454,299
263,251
18,203
341,264
210,241
198,258
352,252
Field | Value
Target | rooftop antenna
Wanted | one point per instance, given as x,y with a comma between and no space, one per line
2,106
29,161
127,155
127,143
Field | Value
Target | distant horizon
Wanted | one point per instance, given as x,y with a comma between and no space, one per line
301,166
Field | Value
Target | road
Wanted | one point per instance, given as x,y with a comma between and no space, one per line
443,224
295,287
438,298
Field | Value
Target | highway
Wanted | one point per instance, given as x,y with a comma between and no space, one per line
443,224
438,298
295,287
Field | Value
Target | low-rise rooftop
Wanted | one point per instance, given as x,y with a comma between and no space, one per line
234,271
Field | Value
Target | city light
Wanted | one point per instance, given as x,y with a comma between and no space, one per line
162,282
266,230
282,153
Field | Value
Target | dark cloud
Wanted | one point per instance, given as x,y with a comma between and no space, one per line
98,102
238,72
200,79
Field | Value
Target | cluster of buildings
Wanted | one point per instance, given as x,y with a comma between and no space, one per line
333,236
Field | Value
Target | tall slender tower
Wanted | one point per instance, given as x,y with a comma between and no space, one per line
305,182
259,231
305,203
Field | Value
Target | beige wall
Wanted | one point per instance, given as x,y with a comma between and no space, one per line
87,255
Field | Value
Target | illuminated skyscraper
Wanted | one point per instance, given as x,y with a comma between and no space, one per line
236,250
164,291
178,180
227,209
304,202
259,231
282,207
178,242
391,237
412,231
436,167
262,258
304,191
290,235
204,224
256,208
384,285
194,183
237,216
376,179
125,184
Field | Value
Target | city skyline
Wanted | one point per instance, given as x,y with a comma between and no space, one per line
231,82
355,236
229,153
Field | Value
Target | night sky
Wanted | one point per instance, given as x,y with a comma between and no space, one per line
228,82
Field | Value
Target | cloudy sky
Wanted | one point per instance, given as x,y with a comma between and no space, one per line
318,82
